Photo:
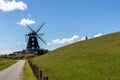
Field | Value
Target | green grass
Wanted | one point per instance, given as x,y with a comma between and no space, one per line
27,73
15,57
5,63
93,59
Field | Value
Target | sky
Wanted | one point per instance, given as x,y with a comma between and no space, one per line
66,21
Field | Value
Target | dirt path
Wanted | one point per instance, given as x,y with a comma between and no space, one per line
13,72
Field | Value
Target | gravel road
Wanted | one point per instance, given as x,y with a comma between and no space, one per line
13,72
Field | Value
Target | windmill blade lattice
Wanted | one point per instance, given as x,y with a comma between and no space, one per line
40,27
29,27
42,40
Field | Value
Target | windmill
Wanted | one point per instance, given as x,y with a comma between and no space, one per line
32,40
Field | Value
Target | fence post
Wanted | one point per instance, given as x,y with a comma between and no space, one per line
45,77
36,71
40,74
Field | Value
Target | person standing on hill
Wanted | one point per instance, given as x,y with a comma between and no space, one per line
86,38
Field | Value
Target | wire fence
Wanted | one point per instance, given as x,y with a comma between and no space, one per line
38,73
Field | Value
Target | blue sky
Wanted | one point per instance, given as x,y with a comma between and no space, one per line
67,21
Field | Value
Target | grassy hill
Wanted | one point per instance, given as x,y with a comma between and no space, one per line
93,59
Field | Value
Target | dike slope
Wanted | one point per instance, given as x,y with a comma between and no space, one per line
93,59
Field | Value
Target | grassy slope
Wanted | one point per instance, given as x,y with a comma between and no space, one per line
94,59
5,63
27,73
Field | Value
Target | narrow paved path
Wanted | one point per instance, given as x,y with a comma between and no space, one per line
13,72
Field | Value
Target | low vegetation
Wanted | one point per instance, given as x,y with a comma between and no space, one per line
16,57
5,63
27,73
93,59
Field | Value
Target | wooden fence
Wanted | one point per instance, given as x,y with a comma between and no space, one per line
38,73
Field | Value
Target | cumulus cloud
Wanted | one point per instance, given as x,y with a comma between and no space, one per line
10,5
83,38
73,39
27,21
98,35
7,52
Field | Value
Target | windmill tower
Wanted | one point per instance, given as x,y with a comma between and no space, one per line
32,41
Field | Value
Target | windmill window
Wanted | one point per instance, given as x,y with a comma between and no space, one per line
33,43
32,39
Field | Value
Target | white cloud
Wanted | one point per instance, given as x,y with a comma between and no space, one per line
83,38
73,39
10,5
56,41
49,43
7,52
98,35
60,42
24,21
